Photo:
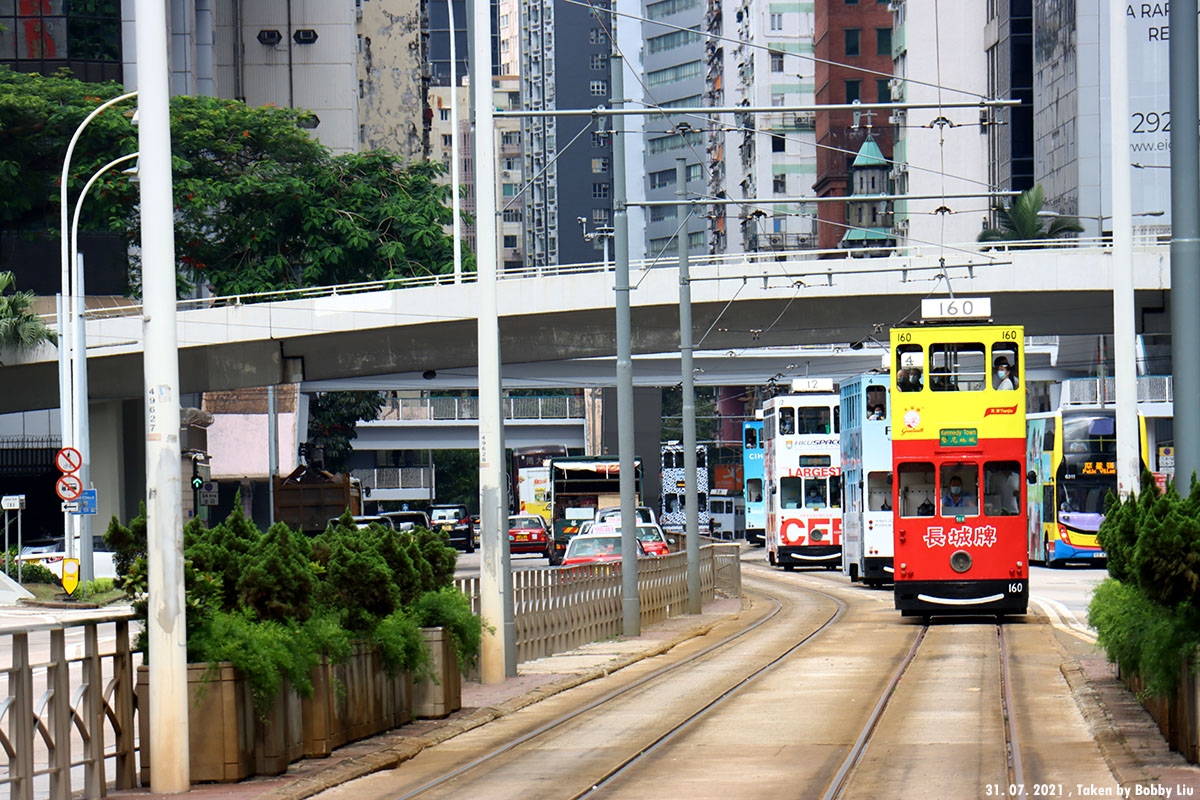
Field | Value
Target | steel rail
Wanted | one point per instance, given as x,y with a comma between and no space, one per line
617,693
1012,743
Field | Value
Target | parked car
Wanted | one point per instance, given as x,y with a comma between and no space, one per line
407,520
366,520
596,548
527,534
654,540
51,554
455,520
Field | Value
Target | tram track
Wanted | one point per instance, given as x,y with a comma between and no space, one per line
600,705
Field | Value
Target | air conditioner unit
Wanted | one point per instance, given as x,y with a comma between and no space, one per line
775,240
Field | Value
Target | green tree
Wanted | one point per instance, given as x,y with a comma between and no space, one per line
19,326
332,421
260,205
457,477
1022,220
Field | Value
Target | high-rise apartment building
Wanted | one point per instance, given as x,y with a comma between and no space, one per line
1009,39
854,52
939,55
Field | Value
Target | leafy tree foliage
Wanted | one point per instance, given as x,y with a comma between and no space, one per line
332,418
19,326
456,477
277,581
259,205
1022,222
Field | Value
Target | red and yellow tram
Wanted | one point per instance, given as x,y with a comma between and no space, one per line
958,455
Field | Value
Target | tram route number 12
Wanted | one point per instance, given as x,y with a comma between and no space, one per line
956,308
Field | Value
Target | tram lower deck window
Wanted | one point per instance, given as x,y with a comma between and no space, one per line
916,489
960,489
1002,488
754,490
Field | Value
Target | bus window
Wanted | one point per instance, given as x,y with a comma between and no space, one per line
669,502
815,491
910,366
1004,366
701,502
960,489
1001,488
960,367
754,490
879,491
700,458
876,402
916,490
813,420
787,422
751,438
789,492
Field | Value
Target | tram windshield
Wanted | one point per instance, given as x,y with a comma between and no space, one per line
958,367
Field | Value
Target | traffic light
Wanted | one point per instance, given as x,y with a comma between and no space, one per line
197,481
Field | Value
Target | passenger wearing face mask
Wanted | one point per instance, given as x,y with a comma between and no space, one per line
1006,379
909,379
956,501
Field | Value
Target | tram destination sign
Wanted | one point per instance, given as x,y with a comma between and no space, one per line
954,308
958,437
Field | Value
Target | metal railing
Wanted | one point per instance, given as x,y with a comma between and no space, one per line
1086,391
556,609
394,477
65,698
404,409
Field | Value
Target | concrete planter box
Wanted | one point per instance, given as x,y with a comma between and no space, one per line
352,701
442,695
1177,717
323,716
222,748
279,737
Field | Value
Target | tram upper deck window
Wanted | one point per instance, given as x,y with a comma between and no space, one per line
910,367
751,438
1005,366
960,489
876,403
916,490
813,420
960,367
787,421
1002,488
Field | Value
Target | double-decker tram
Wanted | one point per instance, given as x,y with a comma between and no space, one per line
802,475
1072,459
752,480
958,456
866,479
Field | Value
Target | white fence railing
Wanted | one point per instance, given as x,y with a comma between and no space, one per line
395,477
406,409
1087,391
556,609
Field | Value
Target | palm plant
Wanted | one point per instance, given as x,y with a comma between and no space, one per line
19,326
1023,221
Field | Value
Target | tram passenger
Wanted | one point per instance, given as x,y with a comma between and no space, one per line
956,498
1006,378
876,413
814,497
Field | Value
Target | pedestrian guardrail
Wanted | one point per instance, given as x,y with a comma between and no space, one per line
447,409
67,721
394,477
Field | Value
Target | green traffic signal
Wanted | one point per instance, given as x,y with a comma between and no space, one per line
197,482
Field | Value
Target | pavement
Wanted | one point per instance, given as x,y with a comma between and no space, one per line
1128,738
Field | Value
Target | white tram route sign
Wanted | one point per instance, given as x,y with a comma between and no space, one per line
952,308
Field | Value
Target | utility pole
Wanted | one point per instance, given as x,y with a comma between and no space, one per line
631,607
455,150
164,498
691,495
1185,233
499,656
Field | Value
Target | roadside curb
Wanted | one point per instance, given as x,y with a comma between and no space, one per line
408,747
56,604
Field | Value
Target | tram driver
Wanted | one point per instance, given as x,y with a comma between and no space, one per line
956,500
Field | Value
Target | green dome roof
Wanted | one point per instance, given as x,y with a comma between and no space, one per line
869,155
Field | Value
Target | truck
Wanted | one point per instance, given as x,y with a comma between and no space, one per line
579,486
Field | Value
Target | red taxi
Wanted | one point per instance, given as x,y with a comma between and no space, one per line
654,540
527,534
596,548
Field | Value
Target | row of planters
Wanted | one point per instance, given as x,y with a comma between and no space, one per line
1147,613
297,645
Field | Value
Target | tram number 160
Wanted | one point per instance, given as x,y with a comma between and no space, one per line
1015,588
956,308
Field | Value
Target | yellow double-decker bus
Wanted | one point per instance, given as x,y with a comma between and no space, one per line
958,456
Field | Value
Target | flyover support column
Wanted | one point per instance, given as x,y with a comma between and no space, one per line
631,606
499,655
1185,234
688,389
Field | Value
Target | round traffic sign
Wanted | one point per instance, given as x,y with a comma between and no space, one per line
69,487
68,460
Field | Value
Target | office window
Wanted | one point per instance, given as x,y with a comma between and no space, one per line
510,189
853,89
665,8
778,99
504,20
599,61
663,213
601,216
510,137
883,90
852,36
600,139
513,215
511,163
510,241
776,61
778,144
675,74
599,88
662,178
779,183
776,22
883,41
597,36
443,113
599,166
447,140
600,191
670,41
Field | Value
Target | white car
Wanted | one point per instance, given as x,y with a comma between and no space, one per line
51,557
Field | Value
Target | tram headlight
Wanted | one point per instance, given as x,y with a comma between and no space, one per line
960,561
816,535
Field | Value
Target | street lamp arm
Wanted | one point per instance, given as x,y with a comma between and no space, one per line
74,242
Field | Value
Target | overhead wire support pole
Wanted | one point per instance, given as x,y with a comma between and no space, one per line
455,149
1124,328
499,655
694,110
1185,234
688,390
164,497
631,607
